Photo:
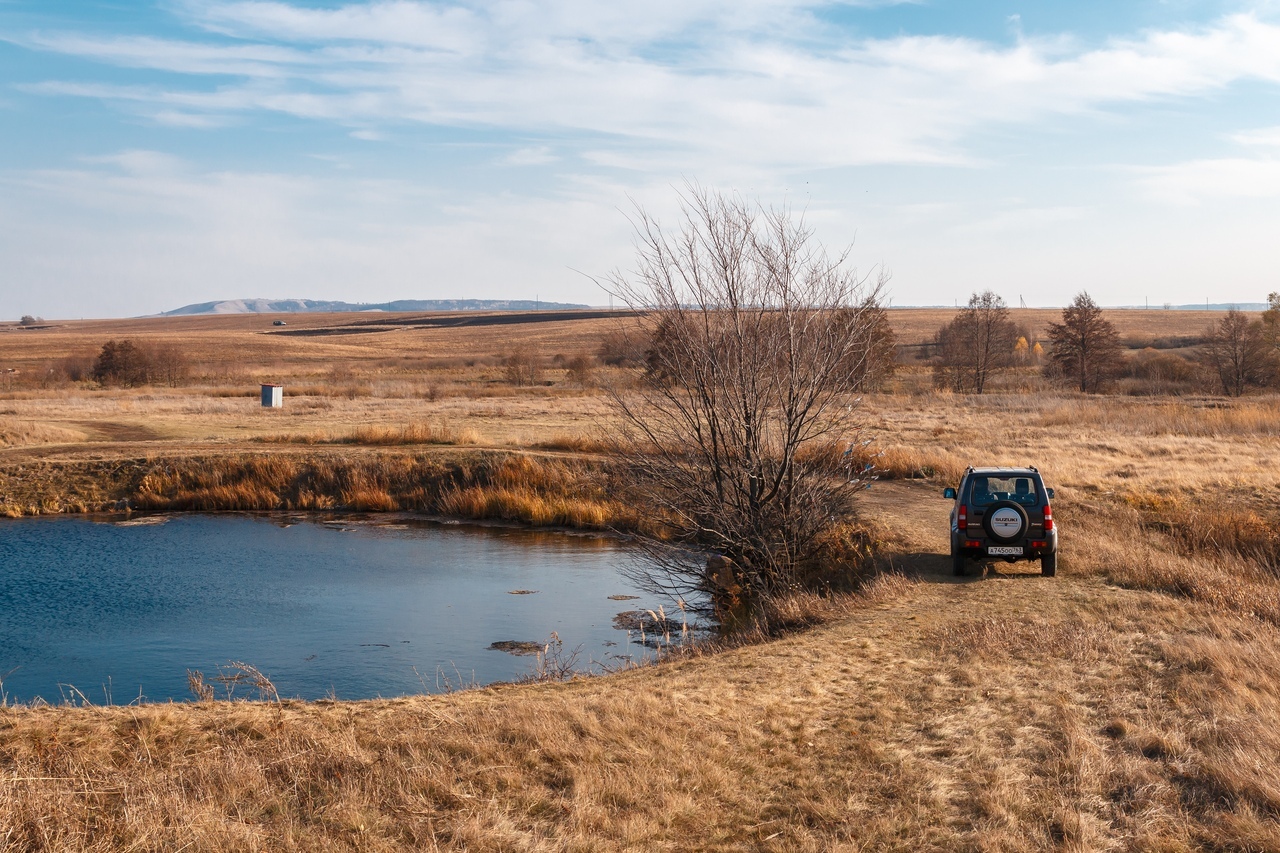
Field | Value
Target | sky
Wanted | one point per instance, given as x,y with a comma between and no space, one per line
155,153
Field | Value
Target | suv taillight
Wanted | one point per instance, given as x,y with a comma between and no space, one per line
962,520
1048,518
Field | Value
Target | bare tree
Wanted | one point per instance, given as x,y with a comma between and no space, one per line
623,347
873,364
1086,346
977,343
734,435
1236,353
169,364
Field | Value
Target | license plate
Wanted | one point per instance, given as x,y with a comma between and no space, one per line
1005,550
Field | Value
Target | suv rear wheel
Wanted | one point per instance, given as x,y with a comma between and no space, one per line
1049,564
957,565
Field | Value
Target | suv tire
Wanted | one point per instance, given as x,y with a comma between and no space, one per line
1049,564
957,565
990,514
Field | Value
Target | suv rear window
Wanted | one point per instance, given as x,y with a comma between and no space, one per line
1020,489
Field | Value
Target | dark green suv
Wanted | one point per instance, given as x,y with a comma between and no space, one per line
1003,513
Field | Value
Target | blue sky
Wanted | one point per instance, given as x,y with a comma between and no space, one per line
154,154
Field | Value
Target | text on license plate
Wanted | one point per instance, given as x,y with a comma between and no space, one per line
1005,550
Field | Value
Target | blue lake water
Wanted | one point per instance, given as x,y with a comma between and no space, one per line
352,608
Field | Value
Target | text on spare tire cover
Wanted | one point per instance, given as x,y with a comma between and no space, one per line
1006,522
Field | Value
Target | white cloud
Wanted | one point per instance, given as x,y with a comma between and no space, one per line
1198,180
752,86
1022,219
1266,137
183,57
537,156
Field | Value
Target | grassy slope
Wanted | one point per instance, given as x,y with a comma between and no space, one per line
1009,712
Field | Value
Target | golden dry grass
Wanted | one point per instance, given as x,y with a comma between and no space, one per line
380,436
1133,702
15,433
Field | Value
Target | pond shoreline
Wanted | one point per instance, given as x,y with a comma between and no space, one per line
535,490
367,518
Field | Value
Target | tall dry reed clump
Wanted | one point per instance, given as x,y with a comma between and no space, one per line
1208,417
537,492
481,485
1227,557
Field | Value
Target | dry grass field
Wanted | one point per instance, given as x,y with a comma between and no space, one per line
1131,703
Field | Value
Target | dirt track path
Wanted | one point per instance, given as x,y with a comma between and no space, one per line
114,431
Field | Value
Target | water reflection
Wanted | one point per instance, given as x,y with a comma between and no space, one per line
329,607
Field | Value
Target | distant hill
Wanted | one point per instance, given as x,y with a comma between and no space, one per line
1217,306
301,306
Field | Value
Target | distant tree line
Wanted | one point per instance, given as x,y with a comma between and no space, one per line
127,364
1085,352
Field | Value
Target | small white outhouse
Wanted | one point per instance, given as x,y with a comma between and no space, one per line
273,396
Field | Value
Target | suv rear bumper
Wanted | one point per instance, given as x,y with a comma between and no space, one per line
1033,548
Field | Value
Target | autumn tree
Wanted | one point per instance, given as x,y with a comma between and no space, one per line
1236,352
1086,347
977,343
733,435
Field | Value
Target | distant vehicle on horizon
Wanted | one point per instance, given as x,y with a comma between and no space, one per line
279,323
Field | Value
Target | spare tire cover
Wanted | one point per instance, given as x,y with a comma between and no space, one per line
1005,521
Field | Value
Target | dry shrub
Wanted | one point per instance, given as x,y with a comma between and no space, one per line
369,498
1231,585
1154,372
906,463
524,505
1200,527
1133,549
805,608
523,366
573,443
580,370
